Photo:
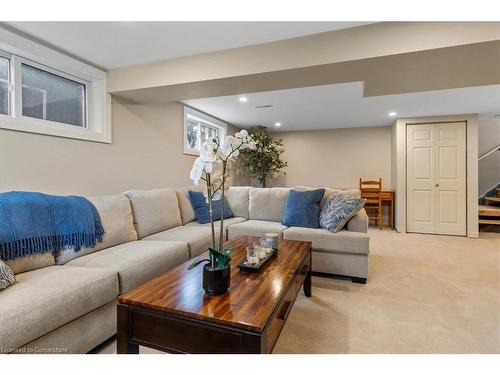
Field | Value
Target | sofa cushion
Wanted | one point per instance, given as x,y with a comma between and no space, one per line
227,223
154,210
30,262
198,239
45,299
237,197
136,262
324,240
117,220
200,207
355,193
302,208
67,254
185,208
257,228
267,203
118,223
338,210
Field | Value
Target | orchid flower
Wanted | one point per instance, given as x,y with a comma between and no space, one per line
213,153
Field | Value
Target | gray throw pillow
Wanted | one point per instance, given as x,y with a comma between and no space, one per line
7,277
338,210
68,253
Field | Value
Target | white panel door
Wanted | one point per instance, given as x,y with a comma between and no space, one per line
451,193
436,178
420,164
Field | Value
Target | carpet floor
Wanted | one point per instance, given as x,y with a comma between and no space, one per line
425,294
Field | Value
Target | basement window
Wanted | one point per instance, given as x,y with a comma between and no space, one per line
52,97
200,128
51,93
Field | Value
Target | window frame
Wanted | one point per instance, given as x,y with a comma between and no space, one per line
97,114
18,102
9,85
204,118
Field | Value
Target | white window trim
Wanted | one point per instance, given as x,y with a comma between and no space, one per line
9,97
200,116
98,105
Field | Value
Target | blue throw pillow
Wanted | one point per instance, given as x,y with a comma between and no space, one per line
338,210
302,208
200,208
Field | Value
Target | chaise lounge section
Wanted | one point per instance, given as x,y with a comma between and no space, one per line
344,253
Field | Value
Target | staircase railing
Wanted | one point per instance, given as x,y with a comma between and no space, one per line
497,148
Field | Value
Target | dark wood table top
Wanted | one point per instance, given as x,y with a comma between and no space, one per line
247,305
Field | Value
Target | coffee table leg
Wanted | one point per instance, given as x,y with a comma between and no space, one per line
123,346
307,284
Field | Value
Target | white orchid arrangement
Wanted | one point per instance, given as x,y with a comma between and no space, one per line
212,167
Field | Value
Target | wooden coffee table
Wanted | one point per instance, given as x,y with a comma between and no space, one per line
172,313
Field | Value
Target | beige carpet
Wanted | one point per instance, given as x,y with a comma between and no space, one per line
425,294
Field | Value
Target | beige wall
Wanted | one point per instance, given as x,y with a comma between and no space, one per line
146,153
337,157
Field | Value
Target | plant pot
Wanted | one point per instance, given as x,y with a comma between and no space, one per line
216,281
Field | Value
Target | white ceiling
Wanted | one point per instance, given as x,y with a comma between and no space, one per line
118,44
343,106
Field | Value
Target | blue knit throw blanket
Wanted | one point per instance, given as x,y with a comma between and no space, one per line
34,223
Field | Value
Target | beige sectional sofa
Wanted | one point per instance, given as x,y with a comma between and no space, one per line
67,303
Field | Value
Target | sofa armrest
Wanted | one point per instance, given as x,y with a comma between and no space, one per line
358,223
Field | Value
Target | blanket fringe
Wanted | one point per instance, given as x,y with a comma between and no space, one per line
39,245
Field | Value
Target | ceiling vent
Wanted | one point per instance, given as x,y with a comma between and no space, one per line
263,106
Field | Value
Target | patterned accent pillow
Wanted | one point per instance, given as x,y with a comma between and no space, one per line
338,210
7,277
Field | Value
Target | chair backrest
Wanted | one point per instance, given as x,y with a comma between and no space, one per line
371,190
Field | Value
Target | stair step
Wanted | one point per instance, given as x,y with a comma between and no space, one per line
489,221
489,211
492,199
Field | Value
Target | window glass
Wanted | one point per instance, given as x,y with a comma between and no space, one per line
51,97
208,132
4,86
192,134
200,128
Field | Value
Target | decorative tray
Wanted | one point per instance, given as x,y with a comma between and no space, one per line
254,268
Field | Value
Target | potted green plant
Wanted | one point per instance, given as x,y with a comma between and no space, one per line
264,160
212,167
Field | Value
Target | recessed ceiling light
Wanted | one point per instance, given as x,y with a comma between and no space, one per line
243,99
278,124
392,113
